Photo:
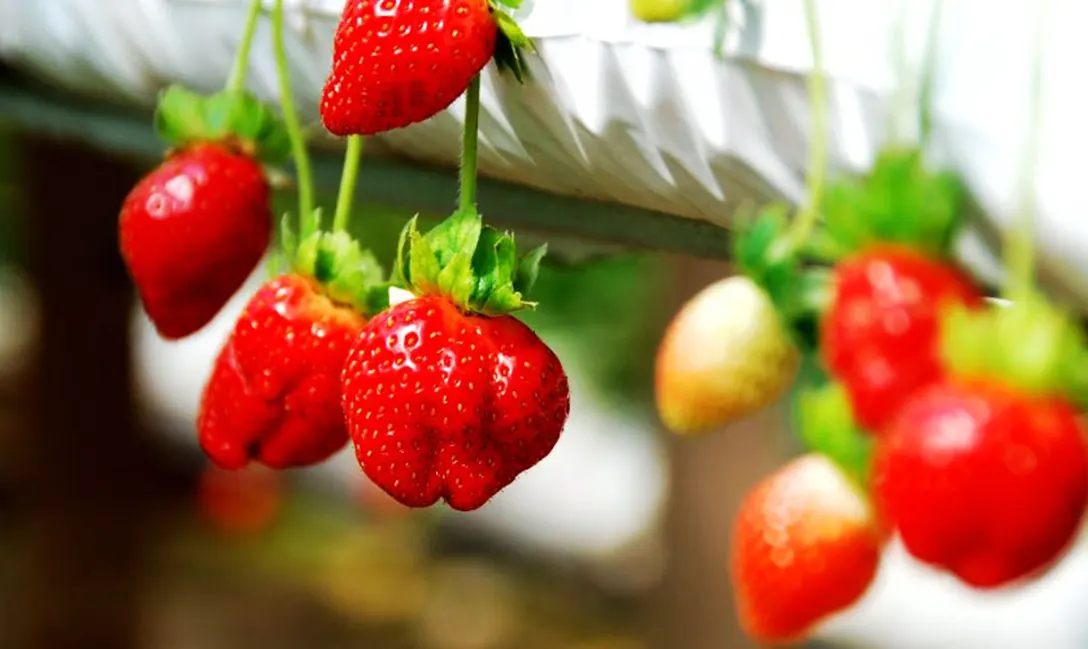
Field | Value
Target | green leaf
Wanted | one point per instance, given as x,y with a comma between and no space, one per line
529,269
827,426
288,236
423,264
1030,344
349,273
237,118
513,4
179,115
511,46
402,274
900,201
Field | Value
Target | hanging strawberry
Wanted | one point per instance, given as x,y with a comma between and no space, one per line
805,546
448,396
398,62
985,472
193,229
891,232
274,393
735,348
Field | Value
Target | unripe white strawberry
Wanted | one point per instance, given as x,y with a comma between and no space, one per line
724,356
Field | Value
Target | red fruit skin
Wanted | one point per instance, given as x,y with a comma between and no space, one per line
274,393
191,232
984,482
805,546
880,336
441,404
398,62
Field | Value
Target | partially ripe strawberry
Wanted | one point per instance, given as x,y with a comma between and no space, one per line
398,62
725,355
442,404
274,394
805,546
880,335
192,231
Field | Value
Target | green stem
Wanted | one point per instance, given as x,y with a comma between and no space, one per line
352,159
805,221
929,69
1020,241
307,216
901,100
470,144
721,25
237,80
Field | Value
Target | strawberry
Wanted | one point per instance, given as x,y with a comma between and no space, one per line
891,233
239,503
805,545
985,473
193,229
191,233
274,392
448,396
725,355
880,334
398,62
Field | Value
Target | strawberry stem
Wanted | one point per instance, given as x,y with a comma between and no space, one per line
929,69
307,216
470,145
805,221
237,80
721,27
1020,241
352,159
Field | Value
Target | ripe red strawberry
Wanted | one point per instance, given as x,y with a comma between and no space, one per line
880,333
805,546
445,404
192,231
447,395
983,479
398,62
274,394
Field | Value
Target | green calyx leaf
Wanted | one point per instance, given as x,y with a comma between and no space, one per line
900,201
800,294
827,426
1029,344
350,274
512,43
475,266
235,118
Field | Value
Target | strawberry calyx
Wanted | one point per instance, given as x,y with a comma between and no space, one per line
473,265
827,426
800,292
899,201
349,274
1029,344
512,43
234,118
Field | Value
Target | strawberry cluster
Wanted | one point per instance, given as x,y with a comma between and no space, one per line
929,412
445,395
